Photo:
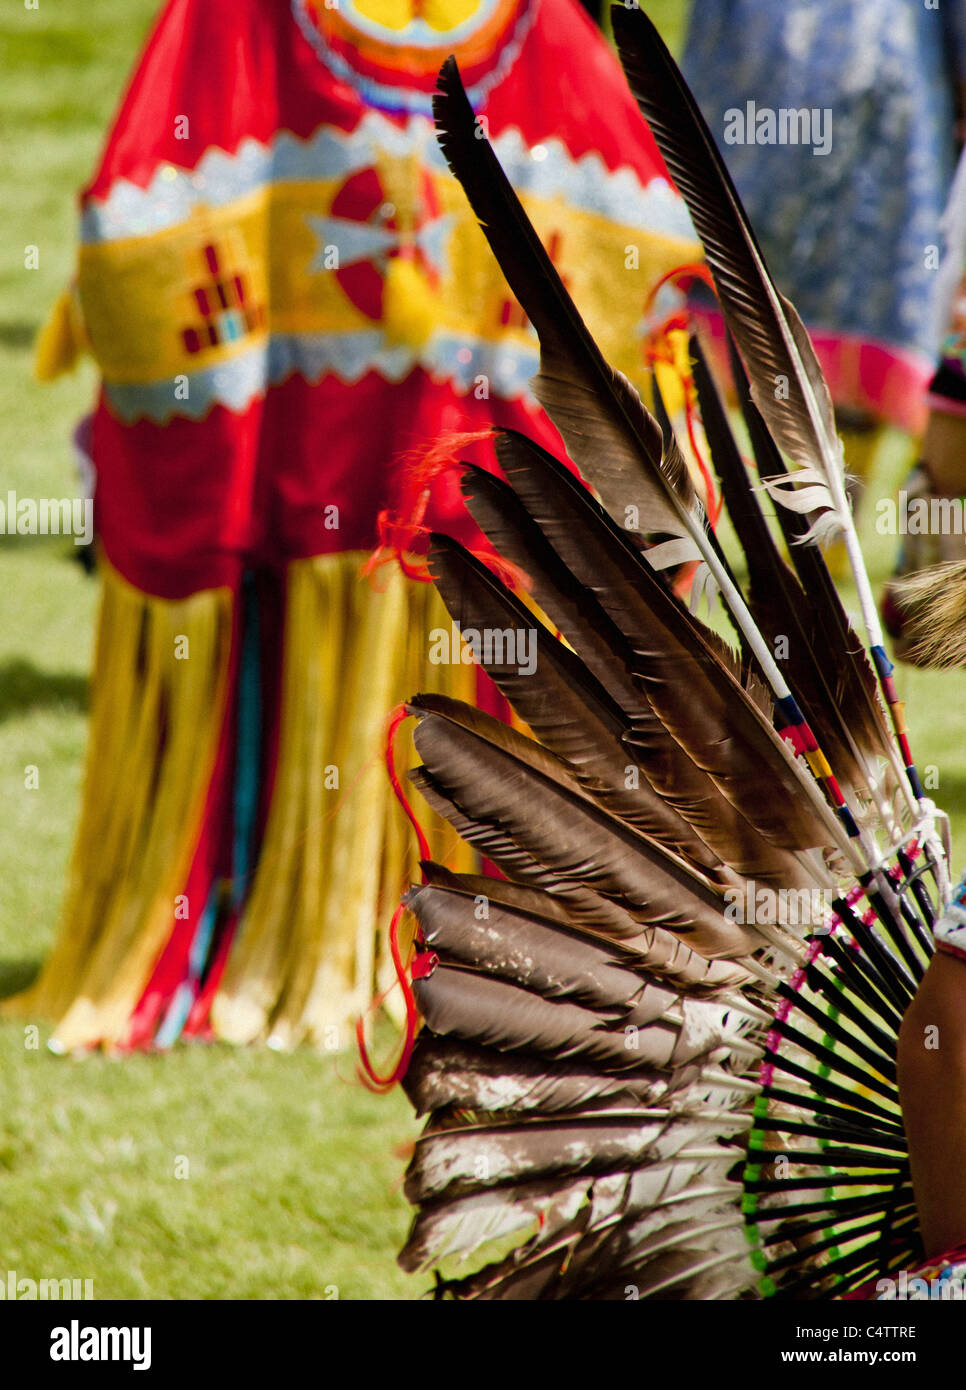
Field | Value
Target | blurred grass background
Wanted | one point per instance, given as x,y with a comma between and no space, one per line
294,1169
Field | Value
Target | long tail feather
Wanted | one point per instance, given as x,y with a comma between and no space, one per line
605,427
568,711
786,380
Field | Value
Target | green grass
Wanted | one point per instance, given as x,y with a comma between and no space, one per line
294,1170
290,1189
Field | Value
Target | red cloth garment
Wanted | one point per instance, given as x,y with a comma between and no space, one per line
285,288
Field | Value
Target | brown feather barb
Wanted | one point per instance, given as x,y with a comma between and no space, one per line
491,775
723,731
566,708
663,954
609,434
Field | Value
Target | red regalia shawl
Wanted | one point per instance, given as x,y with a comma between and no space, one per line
285,292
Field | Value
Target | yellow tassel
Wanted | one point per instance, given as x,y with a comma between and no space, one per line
410,306
61,340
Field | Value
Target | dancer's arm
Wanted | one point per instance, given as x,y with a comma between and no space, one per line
932,1091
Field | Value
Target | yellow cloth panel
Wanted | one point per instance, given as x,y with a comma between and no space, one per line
137,293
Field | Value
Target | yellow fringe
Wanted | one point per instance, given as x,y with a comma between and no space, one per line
337,853
410,305
311,948
61,339
142,805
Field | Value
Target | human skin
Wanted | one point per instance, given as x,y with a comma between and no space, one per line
944,453
932,1092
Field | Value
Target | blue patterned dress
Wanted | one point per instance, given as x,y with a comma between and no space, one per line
846,233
